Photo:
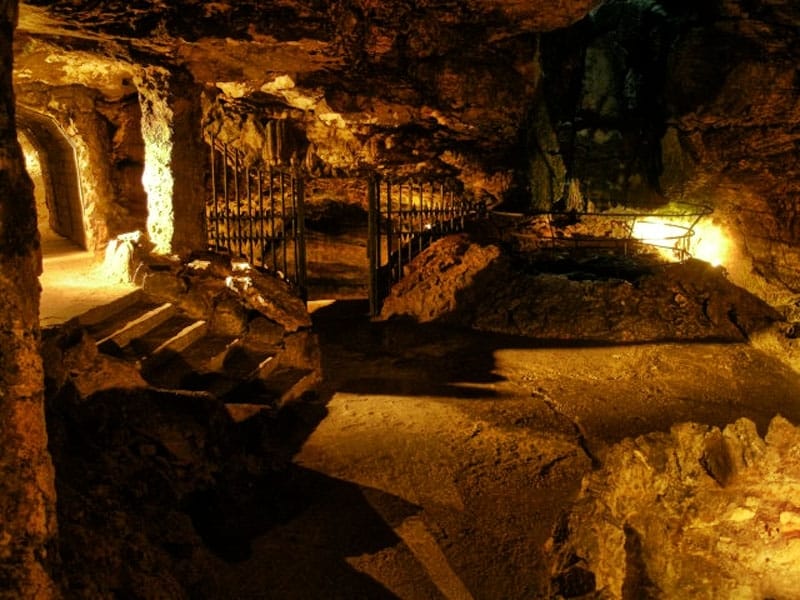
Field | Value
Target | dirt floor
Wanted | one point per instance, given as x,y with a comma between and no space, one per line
72,281
436,462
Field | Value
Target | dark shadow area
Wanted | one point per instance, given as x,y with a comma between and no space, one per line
402,357
301,520
160,491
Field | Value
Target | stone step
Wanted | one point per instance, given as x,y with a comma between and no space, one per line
247,361
170,330
282,386
111,320
138,327
246,375
209,353
189,368
94,317
289,383
179,342
213,364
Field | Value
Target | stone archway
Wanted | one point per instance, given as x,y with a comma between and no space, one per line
59,174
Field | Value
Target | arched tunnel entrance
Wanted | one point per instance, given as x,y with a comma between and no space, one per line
72,280
51,163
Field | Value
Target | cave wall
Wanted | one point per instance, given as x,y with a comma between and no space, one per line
643,103
176,160
732,91
57,182
621,102
599,115
108,151
27,493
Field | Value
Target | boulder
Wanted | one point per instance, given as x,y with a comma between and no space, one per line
696,512
597,298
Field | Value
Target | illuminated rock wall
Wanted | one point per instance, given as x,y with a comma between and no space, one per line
174,160
643,102
103,139
697,512
27,494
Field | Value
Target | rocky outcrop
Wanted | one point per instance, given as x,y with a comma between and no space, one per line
696,512
598,298
27,493
641,103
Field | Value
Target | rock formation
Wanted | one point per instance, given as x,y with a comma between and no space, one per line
697,512
610,299
27,493
536,104
624,102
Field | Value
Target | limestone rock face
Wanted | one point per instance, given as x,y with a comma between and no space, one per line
459,281
370,84
737,125
644,102
27,493
626,102
695,512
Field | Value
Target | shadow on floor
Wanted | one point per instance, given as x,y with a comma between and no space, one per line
405,358
291,536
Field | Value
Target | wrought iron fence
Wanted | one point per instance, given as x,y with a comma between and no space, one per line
406,216
257,213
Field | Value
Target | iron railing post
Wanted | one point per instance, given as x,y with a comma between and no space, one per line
373,239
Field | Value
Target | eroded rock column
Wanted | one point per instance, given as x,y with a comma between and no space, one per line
27,492
174,160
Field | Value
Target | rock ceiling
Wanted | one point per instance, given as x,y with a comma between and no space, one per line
414,79
646,99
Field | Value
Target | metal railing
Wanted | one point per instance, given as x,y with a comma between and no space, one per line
405,216
257,213
623,231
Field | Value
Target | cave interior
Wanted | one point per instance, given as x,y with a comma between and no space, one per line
407,299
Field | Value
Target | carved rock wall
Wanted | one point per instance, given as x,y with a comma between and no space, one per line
27,493
106,144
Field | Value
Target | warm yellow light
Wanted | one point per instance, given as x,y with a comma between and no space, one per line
667,237
710,244
707,243
158,183
157,124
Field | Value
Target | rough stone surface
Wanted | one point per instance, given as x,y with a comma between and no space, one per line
625,102
236,300
459,281
71,359
697,512
27,493
368,84
173,465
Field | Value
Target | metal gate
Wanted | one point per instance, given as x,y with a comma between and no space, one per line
257,213
405,217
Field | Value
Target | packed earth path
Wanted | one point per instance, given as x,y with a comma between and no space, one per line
436,462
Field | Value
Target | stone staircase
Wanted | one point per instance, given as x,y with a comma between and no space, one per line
175,351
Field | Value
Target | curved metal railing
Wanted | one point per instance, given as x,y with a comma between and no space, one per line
623,231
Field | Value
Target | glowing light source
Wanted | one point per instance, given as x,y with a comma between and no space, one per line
710,244
674,236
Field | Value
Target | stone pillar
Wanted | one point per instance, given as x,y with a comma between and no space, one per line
27,490
175,160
